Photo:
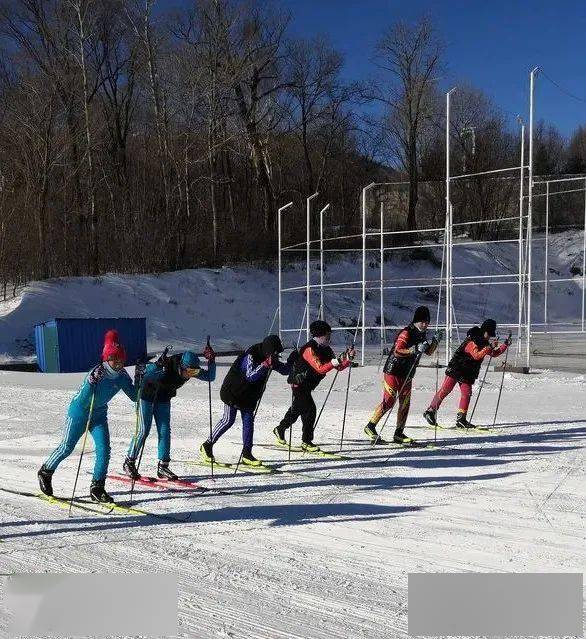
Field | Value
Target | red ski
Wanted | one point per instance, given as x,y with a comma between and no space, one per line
161,484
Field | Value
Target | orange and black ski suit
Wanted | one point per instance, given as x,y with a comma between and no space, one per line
398,372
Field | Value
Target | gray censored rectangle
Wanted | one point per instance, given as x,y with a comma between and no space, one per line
501,604
78,605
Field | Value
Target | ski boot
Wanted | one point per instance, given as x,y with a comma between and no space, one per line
279,433
462,422
206,452
45,477
400,438
248,459
310,447
430,416
130,469
98,492
370,432
164,472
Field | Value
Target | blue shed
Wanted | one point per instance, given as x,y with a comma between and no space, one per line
74,345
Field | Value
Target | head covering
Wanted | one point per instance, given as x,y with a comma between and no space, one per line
319,328
421,314
189,360
489,326
474,332
272,345
113,349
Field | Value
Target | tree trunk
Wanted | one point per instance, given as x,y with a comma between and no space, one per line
93,215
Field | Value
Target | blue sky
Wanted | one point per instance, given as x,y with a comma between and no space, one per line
491,44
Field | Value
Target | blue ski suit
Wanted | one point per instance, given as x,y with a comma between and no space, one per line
101,383
159,385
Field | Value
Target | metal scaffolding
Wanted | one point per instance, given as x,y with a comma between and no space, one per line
438,237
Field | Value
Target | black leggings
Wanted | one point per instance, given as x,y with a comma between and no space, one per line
302,406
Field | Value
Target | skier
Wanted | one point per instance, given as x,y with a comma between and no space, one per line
159,385
464,368
242,390
89,409
399,371
314,360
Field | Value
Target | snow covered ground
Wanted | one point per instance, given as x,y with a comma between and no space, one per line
312,557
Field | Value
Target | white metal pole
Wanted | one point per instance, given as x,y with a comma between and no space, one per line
520,271
546,267
321,261
363,340
530,211
382,277
308,266
280,277
584,261
448,231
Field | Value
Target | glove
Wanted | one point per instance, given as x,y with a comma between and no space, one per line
354,364
97,375
268,362
493,341
340,359
139,370
292,357
209,353
508,341
351,353
163,358
422,347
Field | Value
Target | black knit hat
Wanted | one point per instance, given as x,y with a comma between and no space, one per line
272,345
475,332
319,328
421,314
489,326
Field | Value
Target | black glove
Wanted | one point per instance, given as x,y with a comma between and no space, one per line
139,370
97,374
293,356
161,362
354,364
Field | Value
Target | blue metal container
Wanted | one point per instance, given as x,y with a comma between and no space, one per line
74,345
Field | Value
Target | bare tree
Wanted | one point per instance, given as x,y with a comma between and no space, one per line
411,54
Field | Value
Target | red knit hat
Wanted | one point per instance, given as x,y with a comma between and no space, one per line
112,347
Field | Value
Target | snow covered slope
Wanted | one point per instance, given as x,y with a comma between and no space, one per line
236,305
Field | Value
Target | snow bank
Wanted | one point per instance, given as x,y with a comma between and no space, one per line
236,305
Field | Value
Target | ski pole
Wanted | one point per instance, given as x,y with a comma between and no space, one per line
162,359
87,427
254,414
326,399
210,412
301,327
348,388
291,427
413,367
481,386
273,322
498,401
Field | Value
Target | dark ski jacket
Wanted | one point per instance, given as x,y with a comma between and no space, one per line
399,364
161,383
467,360
244,383
312,365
